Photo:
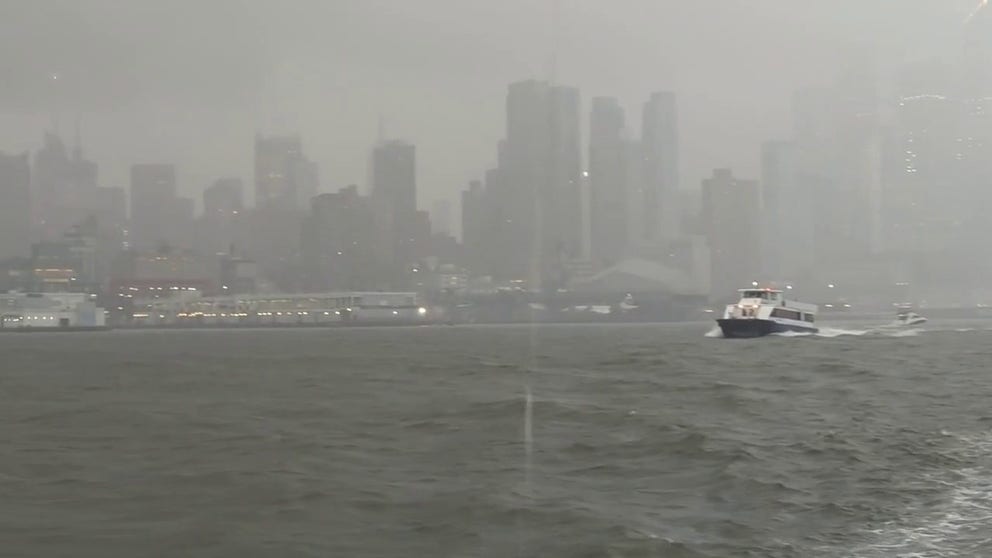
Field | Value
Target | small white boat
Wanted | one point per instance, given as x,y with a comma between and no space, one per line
761,312
907,317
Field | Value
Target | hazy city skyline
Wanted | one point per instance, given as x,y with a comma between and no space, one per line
156,86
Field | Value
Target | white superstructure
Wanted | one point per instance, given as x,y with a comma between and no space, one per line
50,311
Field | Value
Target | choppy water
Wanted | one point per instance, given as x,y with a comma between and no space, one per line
643,441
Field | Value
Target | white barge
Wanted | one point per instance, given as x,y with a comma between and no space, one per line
50,312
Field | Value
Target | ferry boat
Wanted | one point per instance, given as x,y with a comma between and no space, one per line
764,311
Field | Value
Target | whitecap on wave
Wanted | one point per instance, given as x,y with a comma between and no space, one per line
792,334
957,525
832,332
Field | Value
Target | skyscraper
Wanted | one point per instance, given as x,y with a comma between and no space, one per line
394,176
341,243
15,206
563,200
394,196
224,198
661,168
284,177
732,218
608,186
158,215
441,217
64,188
474,229
220,228
540,195
787,235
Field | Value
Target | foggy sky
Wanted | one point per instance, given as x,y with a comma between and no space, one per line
190,82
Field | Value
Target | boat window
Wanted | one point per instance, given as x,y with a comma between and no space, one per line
809,317
785,313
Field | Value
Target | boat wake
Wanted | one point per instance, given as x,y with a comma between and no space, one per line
714,333
954,525
833,332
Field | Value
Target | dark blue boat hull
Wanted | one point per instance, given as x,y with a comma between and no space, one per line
749,328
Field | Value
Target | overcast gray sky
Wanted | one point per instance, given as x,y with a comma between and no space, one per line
190,82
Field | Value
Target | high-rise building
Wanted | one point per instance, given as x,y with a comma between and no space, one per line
221,227
15,206
111,236
474,229
224,198
341,245
563,202
284,177
732,218
64,188
441,217
394,195
787,235
540,193
608,184
159,217
285,182
659,140
394,176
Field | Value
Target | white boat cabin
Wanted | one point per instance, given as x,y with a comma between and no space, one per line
770,304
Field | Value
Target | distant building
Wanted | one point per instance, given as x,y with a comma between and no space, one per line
283,175
476,232
732,218
659,131
537,189
563,207
608,183
237,275
342,246
285,182
140,279
15,206
441,217
787,208
70,264
64,188
159,217
224,198
394,196
394,176
221,228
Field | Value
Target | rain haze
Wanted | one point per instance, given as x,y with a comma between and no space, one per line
515,278
192,82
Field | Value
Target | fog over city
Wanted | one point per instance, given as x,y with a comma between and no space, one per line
676,134
508,278
190,82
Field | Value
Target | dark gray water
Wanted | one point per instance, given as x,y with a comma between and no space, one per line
647,441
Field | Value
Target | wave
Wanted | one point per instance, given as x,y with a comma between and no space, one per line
716,333
835,332
955,525
906,333
792,334
832,332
